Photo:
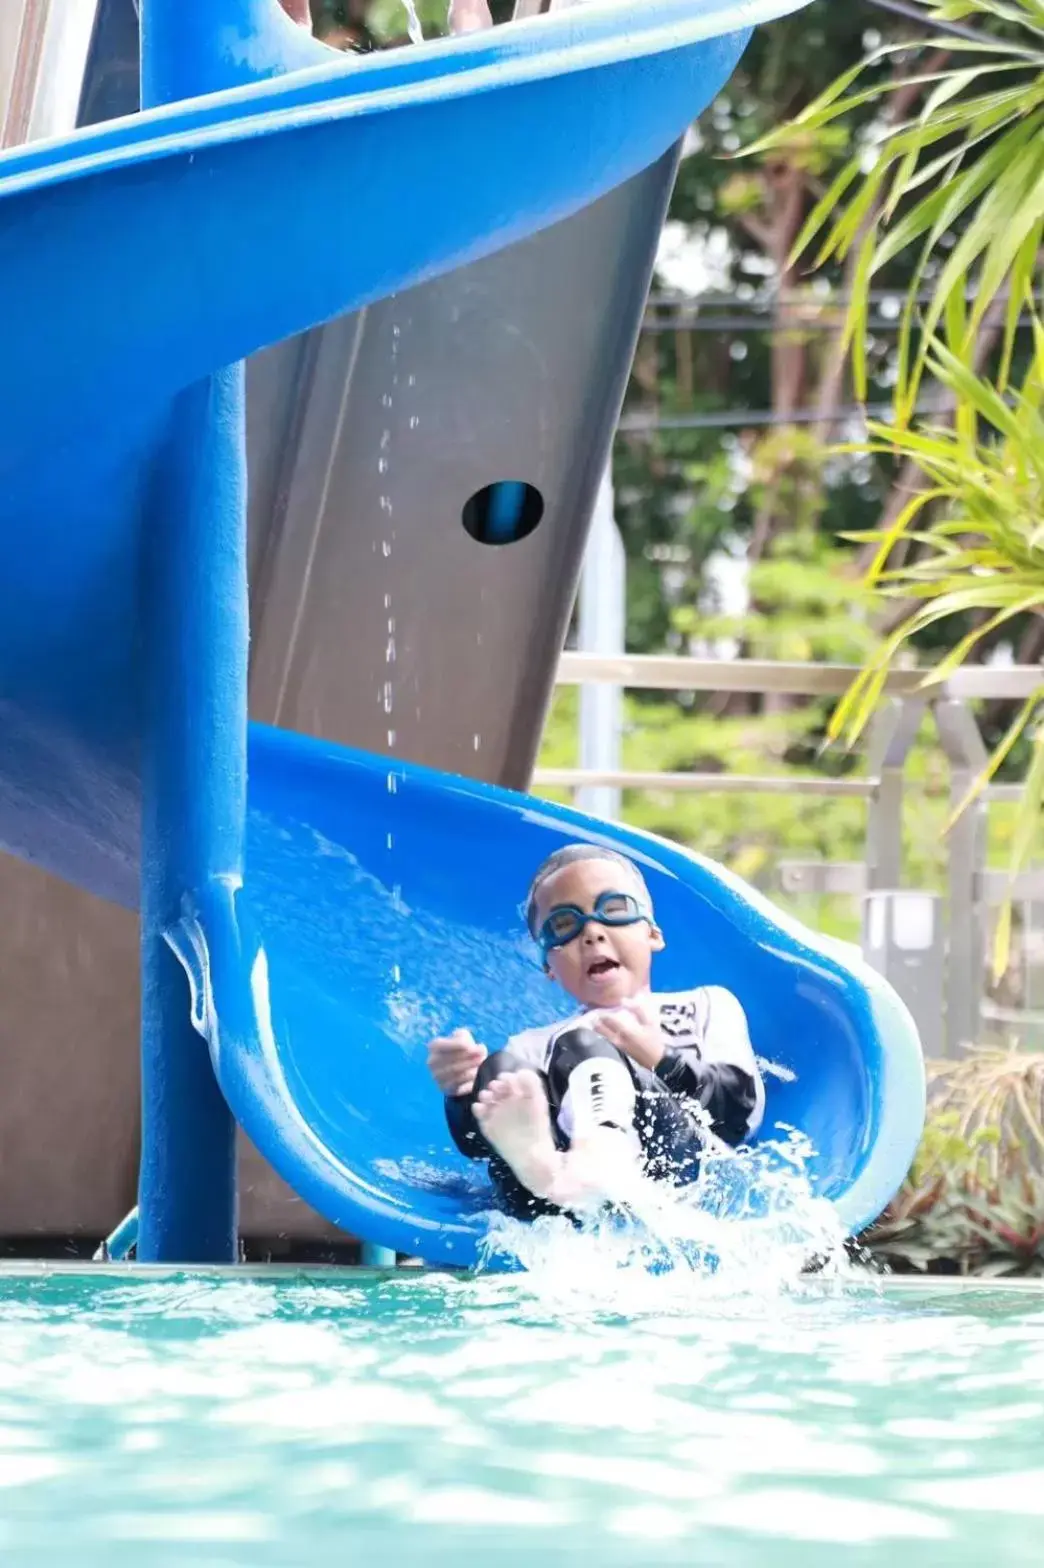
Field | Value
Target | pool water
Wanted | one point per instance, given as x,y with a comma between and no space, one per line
277,1418
340,1418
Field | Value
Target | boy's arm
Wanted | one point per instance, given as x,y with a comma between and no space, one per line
722,1075
720,1071
454,1061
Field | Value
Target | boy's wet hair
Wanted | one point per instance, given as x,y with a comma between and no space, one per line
568,855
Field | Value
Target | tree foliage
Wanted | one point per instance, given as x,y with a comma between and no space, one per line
959,188
750,532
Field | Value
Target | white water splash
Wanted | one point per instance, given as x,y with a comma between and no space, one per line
413,22
387,443
750,1225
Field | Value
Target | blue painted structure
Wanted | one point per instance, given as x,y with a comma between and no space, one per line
327,925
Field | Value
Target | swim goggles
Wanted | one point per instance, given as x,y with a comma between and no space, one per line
566,921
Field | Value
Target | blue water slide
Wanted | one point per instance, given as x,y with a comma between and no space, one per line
371,920
312,916
141,256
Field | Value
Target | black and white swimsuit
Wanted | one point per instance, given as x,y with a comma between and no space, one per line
707,1079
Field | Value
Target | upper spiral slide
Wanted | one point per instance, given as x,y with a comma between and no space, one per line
271,186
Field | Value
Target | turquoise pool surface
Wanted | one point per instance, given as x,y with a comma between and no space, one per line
278,1418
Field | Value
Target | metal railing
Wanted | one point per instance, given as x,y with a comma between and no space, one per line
679,672
22,30
942,973
700,783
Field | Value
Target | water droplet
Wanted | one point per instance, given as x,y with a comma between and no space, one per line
386,549
389,652
390,841
391,740
396,973
414,421
476,741
411,381
396,331
385,440
388,697
382,465
392,784
387,601
386,400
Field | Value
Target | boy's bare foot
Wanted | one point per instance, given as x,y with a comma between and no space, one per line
513,1114
605,1167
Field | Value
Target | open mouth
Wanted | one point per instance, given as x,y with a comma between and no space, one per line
600,967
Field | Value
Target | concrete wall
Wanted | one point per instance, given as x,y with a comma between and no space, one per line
68,1049
69,1114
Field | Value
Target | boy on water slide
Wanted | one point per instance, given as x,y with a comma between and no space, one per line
568,1115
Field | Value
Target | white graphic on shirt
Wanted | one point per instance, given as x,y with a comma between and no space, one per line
708,1021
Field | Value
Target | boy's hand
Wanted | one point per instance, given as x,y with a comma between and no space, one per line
634,1028
454,1060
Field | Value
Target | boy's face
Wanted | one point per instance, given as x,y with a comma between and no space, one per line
603,965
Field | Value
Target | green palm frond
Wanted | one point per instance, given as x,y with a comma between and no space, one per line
959,184
983,551
975,1194
973,156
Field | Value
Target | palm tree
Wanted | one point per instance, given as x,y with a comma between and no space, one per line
970,534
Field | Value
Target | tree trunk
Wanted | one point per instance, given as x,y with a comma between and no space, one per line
786,196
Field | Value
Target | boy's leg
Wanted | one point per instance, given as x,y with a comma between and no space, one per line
595,1120
591,1085
594,1101
513,1197
580,1130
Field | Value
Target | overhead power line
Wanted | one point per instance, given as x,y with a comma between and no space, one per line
741,418
741,324
767,303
